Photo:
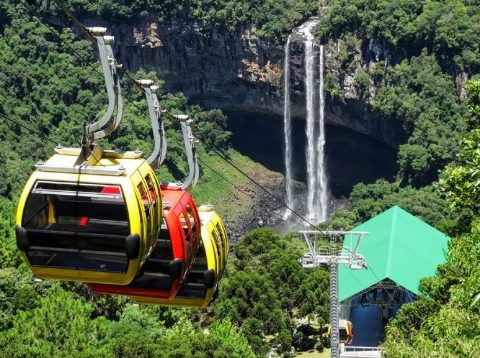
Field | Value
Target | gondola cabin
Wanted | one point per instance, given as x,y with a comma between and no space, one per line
177,244
207,269
90,222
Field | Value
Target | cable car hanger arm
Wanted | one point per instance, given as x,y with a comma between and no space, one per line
159,151
97,129
189,141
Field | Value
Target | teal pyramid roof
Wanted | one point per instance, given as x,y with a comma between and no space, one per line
399,247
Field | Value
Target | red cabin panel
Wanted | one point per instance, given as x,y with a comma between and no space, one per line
178,240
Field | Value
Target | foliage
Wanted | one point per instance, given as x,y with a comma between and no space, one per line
59,326
448,28
460,180
18,292
211,128
448,325
342,220
372,199
9,256
273,18
265,288
426,47
362,83
445,321
423,99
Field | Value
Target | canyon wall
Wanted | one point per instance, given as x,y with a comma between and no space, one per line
241,72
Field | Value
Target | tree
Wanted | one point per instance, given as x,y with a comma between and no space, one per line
460,181
59,326
444,321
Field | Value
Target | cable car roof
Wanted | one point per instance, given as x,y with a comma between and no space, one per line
110,163
206,213
174,198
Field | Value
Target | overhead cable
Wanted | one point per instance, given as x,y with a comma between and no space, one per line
222,156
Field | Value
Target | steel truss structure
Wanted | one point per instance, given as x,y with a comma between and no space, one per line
324,249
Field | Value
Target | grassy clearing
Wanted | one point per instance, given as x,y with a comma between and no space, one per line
212,188
223,186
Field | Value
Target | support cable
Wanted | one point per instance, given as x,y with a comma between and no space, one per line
263,188
130,77
57,34
11,120
39,132
224,178
76,21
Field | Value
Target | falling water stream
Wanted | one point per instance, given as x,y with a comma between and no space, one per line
322,193
310,126
317,191
287,129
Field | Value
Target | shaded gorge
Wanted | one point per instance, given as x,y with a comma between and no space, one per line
351,157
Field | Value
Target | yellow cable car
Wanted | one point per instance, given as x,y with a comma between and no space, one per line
207,269
89,219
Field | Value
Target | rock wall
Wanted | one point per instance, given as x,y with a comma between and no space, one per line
228,71
240,72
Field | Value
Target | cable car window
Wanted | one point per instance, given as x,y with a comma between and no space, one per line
154,195
190,215
191,219
217,239
77,226
223,240
149,210
185,225
152,188
143,195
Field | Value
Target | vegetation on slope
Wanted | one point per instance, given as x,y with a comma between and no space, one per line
273,19
416,77
445,320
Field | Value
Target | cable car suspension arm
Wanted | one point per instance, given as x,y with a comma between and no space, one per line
189,141
97,129
159,152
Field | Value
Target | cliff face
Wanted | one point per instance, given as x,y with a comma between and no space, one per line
228,71
240,72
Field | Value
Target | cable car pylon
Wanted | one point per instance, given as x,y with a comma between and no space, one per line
331,256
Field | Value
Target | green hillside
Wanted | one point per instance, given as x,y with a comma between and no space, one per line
50,86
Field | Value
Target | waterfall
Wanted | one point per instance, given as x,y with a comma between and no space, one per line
317,191
310,127
287,129
321,170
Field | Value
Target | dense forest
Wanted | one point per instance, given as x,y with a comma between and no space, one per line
50,86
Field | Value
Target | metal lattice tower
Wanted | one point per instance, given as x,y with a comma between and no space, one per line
330,255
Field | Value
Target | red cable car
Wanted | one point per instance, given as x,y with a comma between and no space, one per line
177,244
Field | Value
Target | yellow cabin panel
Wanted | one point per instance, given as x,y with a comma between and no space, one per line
83,227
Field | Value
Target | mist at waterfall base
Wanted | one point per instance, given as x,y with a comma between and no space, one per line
351,157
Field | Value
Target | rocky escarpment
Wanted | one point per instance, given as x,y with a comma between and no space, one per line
218,69
240,72
348,104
